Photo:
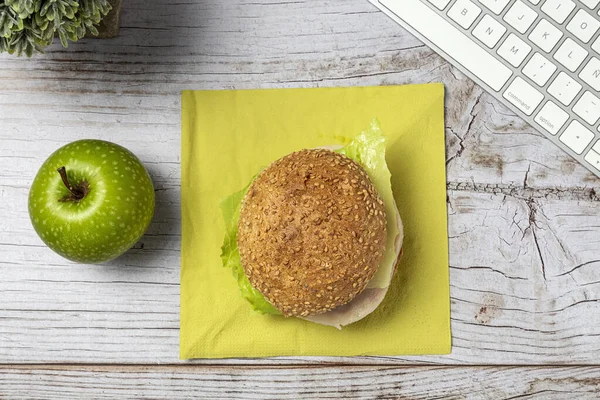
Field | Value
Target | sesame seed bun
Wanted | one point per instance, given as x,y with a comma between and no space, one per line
312,232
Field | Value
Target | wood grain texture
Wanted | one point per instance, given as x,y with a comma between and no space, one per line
410,383
523,216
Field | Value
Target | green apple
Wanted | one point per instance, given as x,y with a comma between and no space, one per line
91,201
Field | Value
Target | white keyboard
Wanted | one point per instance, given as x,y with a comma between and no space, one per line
539,57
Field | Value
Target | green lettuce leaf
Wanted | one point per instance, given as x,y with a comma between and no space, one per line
230,254
367,149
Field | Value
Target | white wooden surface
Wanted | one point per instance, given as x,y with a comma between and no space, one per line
349,382
524,218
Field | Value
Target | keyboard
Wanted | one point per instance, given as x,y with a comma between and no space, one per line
541,58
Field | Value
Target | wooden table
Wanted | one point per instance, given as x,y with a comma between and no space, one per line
524,218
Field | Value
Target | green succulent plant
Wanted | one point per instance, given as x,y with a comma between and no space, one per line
27,26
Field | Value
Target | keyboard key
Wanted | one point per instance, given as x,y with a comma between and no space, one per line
558,10
514,50
545,35
584,26
440,4
591,3
596,147
594,159
591,73
536,1
564,88
462,49
524,96
570,54
489,31
539,69
577,137
596,45
552,118
495,6
588,108
464,13
520,17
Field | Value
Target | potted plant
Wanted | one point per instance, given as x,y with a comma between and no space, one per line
27,26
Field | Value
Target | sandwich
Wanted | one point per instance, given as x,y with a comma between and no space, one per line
317,234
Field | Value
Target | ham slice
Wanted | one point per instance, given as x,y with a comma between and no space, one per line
367,301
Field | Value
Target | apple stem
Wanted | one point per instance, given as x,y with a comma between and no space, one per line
77,193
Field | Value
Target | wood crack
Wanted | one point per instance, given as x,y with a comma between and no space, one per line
467,131
578,266
533,207
476,267
527,193
526,176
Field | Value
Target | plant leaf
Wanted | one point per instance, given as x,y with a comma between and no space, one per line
26,26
